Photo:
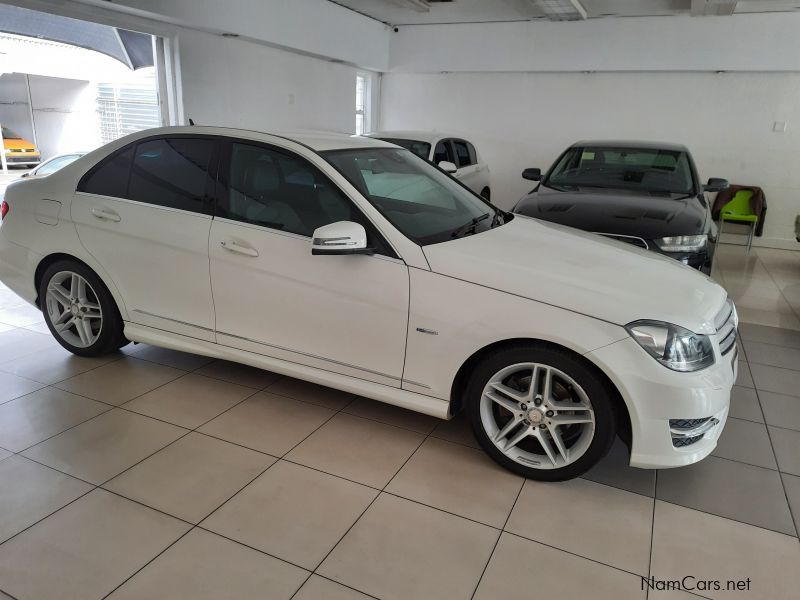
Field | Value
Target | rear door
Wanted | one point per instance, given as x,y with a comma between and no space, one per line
145,214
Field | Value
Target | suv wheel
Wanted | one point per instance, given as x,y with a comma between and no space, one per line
79,310
540,412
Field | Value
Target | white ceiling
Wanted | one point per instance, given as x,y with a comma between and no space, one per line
406,12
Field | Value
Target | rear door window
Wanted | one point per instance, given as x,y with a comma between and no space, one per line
443,152
110,177
173,172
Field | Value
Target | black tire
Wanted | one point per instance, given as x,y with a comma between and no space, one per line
593,385
486,194
110,336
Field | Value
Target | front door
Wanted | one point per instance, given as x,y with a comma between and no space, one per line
345,314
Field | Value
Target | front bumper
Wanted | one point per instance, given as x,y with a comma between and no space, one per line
664,405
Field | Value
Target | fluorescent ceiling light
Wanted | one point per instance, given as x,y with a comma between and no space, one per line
562,10
702,8
417,5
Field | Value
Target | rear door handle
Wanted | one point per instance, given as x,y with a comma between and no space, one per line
232,246
105,215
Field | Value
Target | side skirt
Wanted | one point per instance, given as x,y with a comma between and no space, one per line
375,391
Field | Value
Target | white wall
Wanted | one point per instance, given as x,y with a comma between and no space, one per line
241,84
752,42
520,120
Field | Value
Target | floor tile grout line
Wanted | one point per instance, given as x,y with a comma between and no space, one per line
780,290
360,516
652,534
795,518
9,595
497,541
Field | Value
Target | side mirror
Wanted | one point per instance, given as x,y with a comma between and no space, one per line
715,184
532,174
447,166
343,237
25,174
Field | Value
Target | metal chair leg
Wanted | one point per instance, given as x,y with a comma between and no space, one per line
750,237
719,231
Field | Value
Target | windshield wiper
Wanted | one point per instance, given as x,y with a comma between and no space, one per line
471,225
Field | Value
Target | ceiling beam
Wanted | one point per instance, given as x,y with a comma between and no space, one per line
702,8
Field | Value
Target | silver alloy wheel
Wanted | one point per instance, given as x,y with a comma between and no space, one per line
537,415
74,309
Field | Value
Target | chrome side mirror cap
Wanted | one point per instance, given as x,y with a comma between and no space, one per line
447,166
342,237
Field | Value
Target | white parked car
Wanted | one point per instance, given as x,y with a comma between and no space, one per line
450,153
352,263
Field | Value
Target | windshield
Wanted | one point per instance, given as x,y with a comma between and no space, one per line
624,168
56,163
421,201
421,149
10,135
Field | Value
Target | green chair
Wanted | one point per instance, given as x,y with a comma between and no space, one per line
738,211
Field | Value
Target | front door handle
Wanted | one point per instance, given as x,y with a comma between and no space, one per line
105,215
232,246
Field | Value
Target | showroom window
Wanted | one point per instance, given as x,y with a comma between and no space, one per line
172,172
362,103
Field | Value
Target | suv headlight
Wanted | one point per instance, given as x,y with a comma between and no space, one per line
673,346
682,243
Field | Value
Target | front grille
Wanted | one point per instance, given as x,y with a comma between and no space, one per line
683,442
725,322
628,239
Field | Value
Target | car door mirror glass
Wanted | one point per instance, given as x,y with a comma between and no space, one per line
532,174
715,184
342,237
447,166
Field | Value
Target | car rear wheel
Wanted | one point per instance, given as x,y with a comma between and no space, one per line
540,412
79,310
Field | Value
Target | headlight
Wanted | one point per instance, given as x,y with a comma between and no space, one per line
674,347
683,243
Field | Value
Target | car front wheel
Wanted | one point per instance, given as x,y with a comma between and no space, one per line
79,310
540,412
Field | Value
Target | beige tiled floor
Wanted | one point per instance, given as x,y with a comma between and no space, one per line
159,474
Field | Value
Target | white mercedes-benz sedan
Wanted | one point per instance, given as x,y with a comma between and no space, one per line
354,263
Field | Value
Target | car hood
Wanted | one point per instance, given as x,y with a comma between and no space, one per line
581,272
649,215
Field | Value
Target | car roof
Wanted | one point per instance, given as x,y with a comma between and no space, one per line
316,140
422,136
638,144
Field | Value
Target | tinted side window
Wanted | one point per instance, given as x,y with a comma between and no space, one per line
473,156
172,172
443,152
281,191
110,177
462,152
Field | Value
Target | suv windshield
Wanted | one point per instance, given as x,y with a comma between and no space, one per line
421,201
624,168
421,149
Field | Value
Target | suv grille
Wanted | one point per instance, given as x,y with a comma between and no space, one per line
725,322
